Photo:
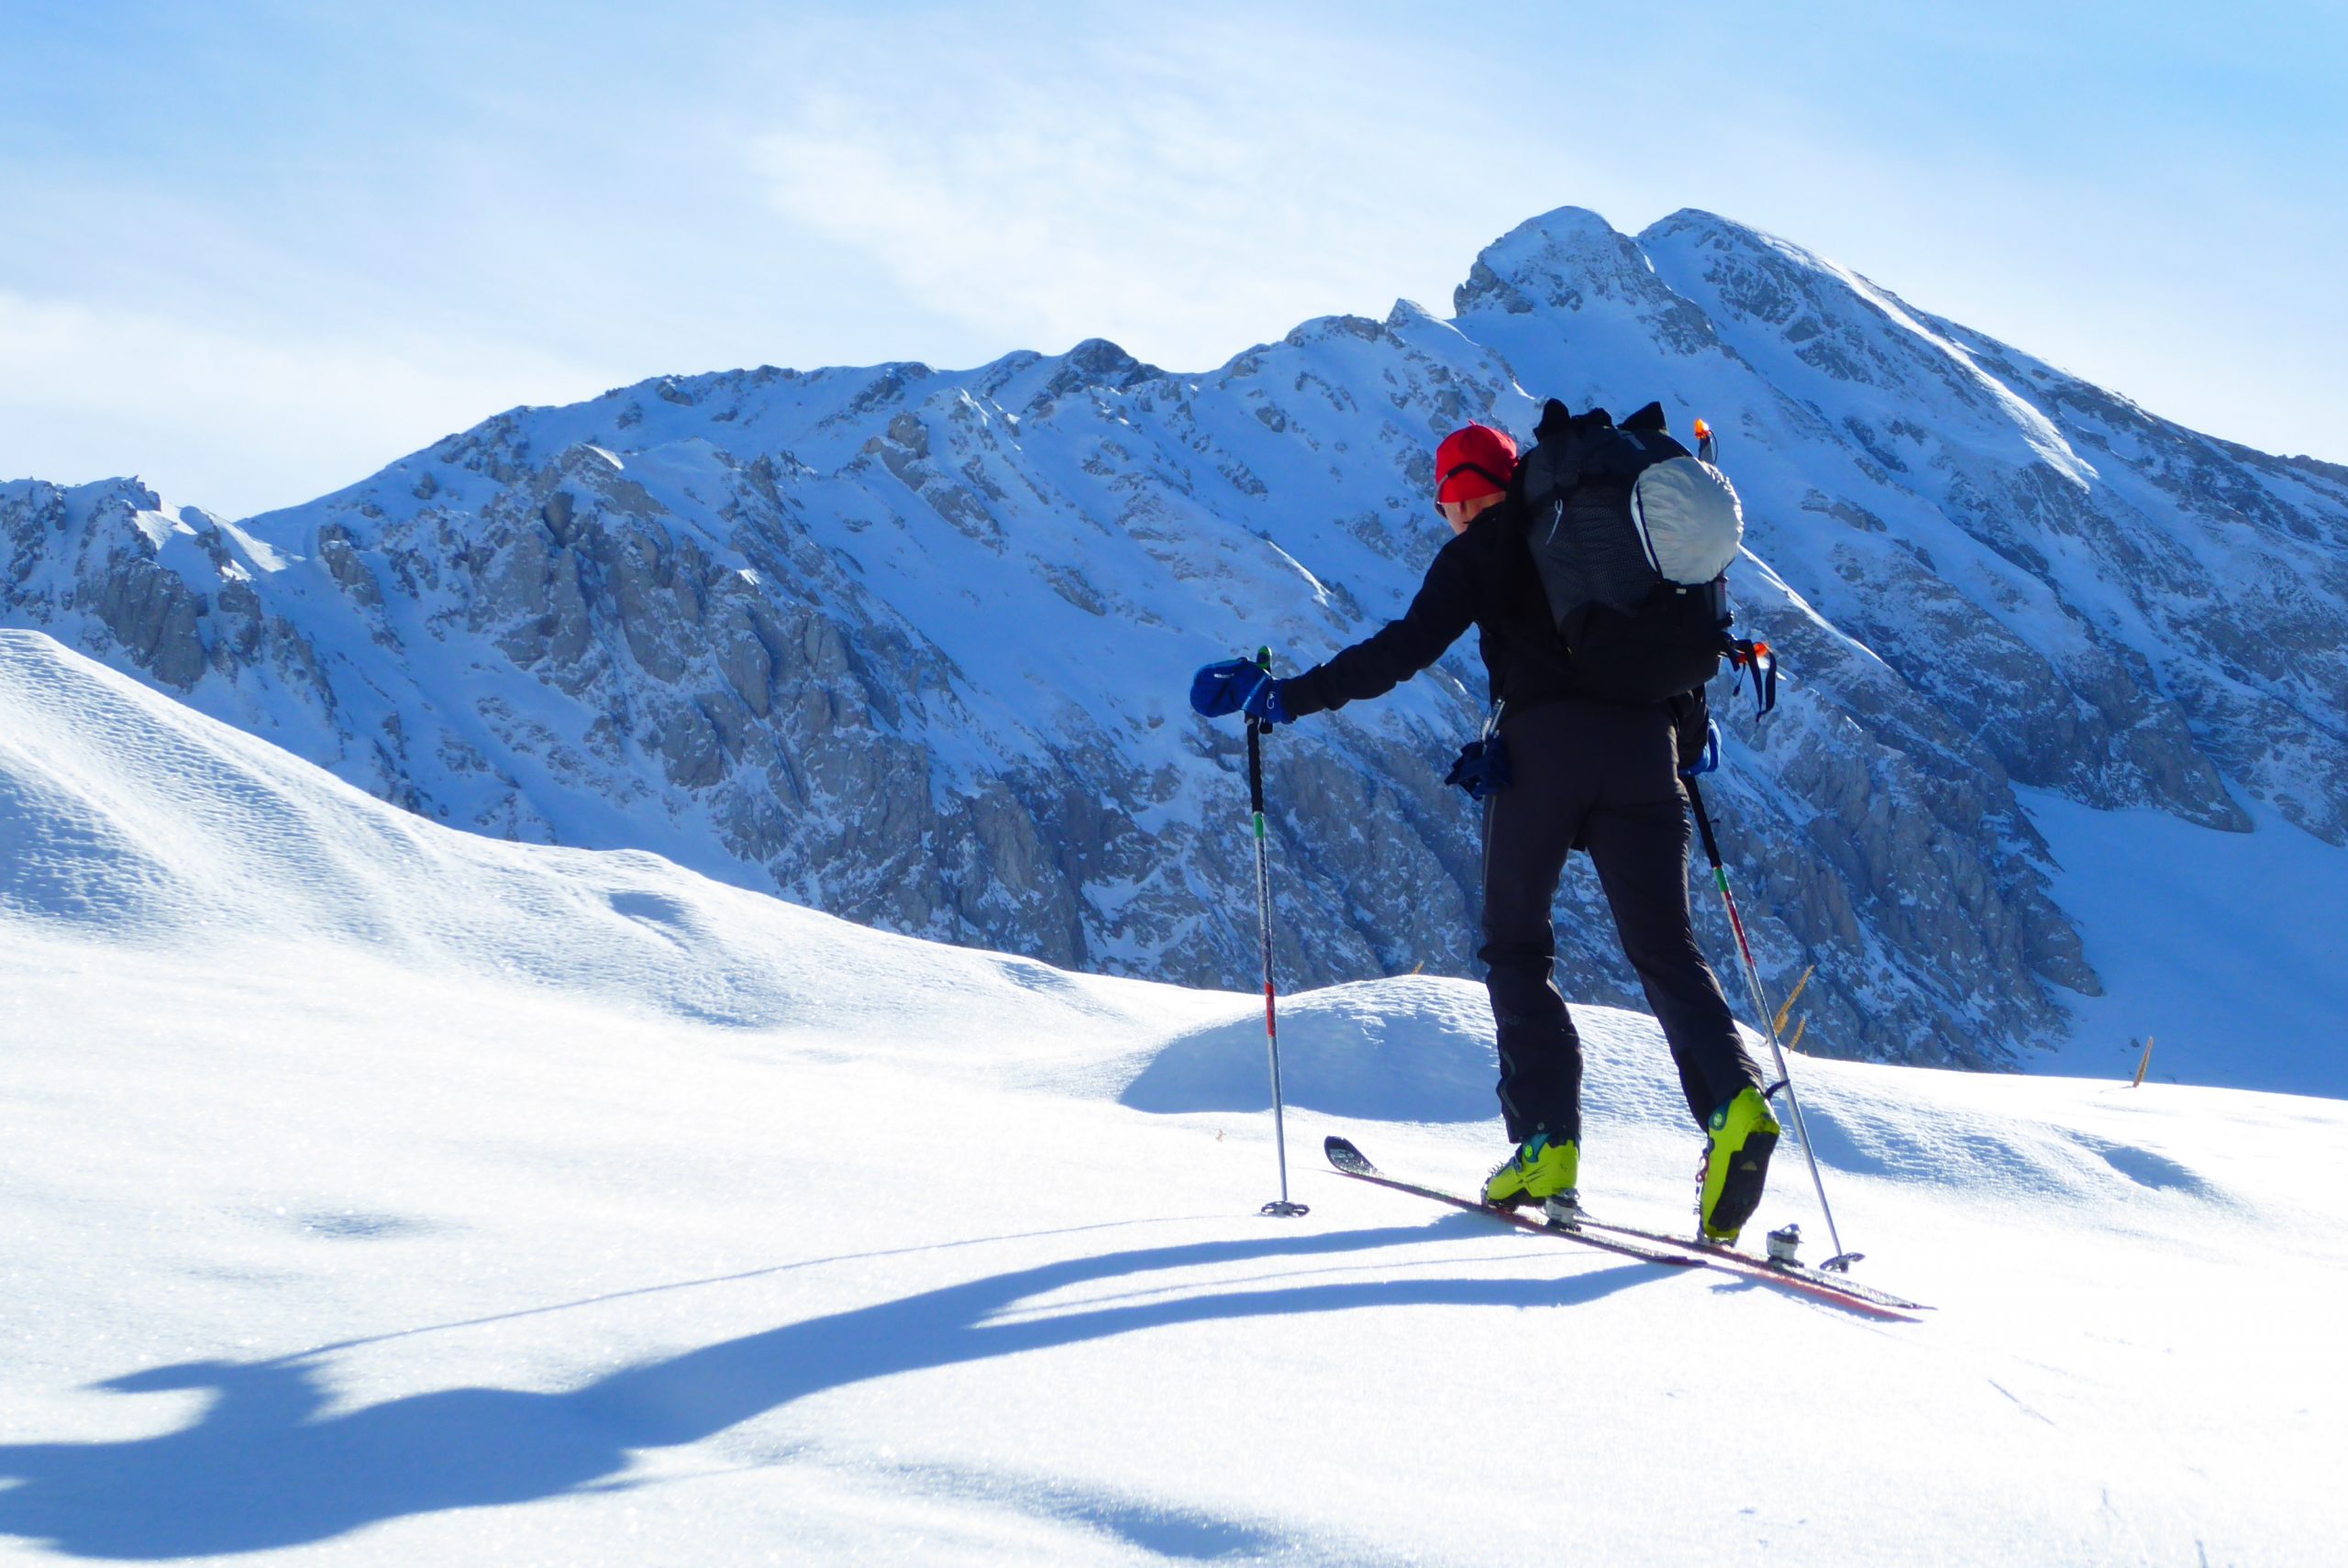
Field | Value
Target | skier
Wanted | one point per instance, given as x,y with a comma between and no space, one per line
1562,771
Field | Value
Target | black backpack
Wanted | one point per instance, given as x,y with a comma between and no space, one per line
1633,535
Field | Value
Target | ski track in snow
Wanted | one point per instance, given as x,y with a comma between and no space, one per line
377,1193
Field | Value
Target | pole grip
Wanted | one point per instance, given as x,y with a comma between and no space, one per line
1256,771
1256,728
1703,823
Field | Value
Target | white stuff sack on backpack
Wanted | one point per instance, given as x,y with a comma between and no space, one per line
1690,521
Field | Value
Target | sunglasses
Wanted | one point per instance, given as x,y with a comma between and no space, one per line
1453,473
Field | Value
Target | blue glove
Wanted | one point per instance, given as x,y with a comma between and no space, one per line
1234,685
1711,758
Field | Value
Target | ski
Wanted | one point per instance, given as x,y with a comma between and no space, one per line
1799,1275
1352,1162
1650,1247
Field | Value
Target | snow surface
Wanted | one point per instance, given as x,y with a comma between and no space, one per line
2196,933
377,1193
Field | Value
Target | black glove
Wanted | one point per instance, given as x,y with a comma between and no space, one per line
1482,768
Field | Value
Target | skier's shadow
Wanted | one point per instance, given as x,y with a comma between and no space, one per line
264,1467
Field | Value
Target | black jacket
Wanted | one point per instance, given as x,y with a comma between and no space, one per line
1483,578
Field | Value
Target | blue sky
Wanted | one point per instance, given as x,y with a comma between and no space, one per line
255,252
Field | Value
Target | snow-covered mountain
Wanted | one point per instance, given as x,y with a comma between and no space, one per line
911,645
377,1194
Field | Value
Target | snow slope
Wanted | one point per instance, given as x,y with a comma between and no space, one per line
2223,947
377,1193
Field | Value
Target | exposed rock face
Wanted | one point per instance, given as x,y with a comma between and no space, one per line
912,646
168,591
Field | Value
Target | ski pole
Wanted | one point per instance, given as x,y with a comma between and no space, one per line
1256,727
1842,1261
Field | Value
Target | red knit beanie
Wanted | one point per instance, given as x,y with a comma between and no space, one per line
1473,461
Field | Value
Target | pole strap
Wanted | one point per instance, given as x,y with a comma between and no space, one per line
1759,660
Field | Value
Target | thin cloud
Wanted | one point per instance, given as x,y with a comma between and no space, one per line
345,239
1185,199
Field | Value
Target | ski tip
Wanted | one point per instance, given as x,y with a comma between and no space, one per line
1344,1155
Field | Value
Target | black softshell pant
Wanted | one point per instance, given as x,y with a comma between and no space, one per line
1605,777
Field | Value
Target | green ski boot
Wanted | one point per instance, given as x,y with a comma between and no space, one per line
1738,1140
1535,1173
